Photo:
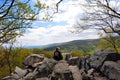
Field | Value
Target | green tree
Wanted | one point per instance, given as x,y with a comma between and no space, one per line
110,42
15,17
37,51
47,54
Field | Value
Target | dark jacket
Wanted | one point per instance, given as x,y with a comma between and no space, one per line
58,55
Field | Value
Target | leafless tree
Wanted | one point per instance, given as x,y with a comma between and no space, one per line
101,15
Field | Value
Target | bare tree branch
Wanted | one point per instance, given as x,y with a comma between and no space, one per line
3,4
57,5
101,15
7,10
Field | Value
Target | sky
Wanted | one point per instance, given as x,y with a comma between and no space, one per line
59,29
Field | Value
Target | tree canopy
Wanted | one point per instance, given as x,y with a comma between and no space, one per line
15,17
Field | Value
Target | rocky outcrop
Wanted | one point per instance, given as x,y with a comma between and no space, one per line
75,72
33,60
68,56
111,70
102,65
73,61
103,62
62,71
97,60
46,68
83,62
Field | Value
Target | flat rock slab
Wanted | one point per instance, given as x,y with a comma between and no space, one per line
75,72
62,72
61,67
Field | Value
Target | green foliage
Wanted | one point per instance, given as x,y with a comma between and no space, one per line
18,18
20,55
37,51
77,54
22,5
15,58
40,5
4,71
110,42
40,51
49,54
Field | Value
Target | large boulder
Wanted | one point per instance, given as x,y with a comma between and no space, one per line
73,60
75,73
30,75
68,56
20,72
41,71
46,68
111,70
99,57
83,62
62,72
33,60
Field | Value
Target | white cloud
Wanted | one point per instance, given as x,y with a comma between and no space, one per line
55,34
68,10
71,10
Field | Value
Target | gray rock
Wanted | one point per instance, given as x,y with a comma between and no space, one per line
62,72
8,78
30,76
46,68
118,61
61,67
111,70
17,74
32,59
73,61
75,72
68,56
99,57
83,62
20,72
90,72
44,78
100,78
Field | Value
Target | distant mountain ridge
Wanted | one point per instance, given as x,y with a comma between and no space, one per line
85,45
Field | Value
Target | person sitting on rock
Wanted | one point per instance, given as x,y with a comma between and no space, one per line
57,54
